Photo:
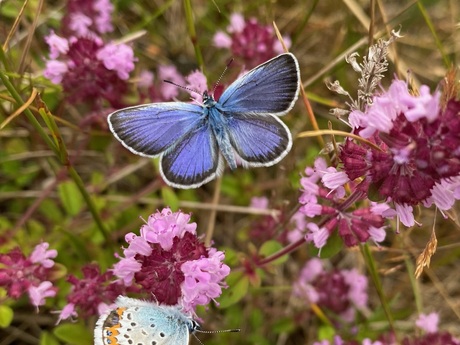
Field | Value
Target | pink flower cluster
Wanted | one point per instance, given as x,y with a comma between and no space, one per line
171,264
93,294
316,285
20,274
418,156
324,196
249,40
89,69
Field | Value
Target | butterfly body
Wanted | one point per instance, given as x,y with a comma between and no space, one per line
136,322
242,127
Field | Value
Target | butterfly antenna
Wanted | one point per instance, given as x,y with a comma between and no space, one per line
209,332
218,331
182,87
225,70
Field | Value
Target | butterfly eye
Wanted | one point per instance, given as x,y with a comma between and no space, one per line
194,326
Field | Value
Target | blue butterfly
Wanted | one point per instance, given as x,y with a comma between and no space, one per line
242,126
140,322
133,321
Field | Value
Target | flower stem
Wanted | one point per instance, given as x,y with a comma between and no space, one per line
372,268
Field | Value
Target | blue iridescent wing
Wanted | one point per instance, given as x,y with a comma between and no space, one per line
270,88
150,129
193,161
259,140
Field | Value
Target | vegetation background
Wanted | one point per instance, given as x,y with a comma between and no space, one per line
40,201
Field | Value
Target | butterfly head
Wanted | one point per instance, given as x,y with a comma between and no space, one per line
208,100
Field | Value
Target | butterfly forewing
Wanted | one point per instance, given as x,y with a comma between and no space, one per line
259,140
270,88
150,129
193,161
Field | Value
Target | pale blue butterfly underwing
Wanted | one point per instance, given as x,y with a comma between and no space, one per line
136,322
242,126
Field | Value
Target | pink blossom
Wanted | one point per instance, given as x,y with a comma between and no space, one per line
125,270
237,23
334,179
222,40
58,45
38,293
117,57
259,202
67,312
428,322
405,214
203,279
103,20
163,226
43,256
80,24
55,71
146,79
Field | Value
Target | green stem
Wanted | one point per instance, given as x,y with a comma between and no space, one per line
192,33
372,268
433,32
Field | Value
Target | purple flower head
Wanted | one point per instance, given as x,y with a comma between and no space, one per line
87,18
170,263
249,40
91,291
418,151
323,195
20,274
317,285
90,70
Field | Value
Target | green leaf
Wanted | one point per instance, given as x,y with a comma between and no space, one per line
74,334
6,316
272,247
46,338
70,197
237,288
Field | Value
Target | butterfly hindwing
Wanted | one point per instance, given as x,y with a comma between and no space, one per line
259,140
270,88
150,129
193,161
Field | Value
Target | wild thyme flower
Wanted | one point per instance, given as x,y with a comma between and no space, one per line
89,69
92,294
323,195
418,160
249,40
32,275
171,264
317,285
